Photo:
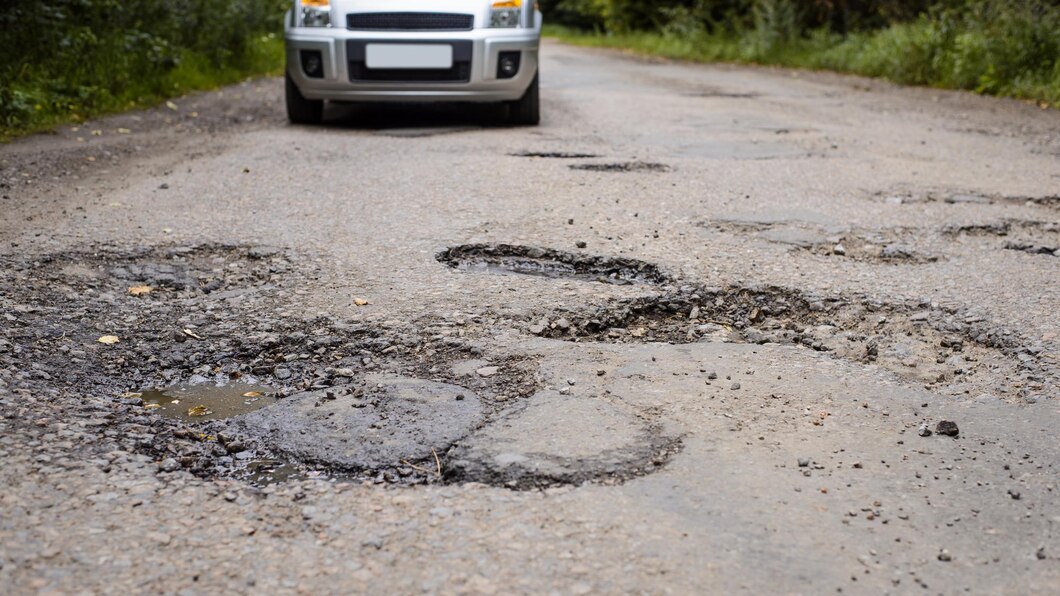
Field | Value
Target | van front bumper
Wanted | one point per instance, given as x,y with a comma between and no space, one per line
339,49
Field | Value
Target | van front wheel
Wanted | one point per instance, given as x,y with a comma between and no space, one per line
527,110
299,109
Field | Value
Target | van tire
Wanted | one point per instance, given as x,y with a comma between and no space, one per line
527,110
299,109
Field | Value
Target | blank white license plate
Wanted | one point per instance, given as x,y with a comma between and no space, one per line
393,55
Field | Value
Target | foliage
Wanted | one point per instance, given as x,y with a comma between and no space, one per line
69,59
1001,47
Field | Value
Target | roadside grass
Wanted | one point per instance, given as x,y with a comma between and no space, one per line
43,104
1019,64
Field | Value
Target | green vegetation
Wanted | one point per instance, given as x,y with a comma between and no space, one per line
1009,48
67,60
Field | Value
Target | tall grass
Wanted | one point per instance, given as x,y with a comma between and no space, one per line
988,46
66,60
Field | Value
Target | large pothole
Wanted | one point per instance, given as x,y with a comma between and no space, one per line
214,326
942,348
544,262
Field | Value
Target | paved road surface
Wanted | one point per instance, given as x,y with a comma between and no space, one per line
686,336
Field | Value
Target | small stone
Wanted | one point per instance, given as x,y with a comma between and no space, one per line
944,555
923,430
735,386
712,376
169,465
580,244
1040,554
804,462
948,428
487,371
839,249
537,329
1015,494
601,372
563,324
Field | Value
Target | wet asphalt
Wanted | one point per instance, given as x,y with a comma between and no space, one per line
696,332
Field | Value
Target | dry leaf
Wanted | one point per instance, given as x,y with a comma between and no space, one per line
190,333
108,339
172,106
152,406
130,395
252,394
360,302
140,290
199,411
124,131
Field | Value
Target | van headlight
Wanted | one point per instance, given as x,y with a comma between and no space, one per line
314,13
505,14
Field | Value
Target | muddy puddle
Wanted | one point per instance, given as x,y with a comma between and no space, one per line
504,259
205,402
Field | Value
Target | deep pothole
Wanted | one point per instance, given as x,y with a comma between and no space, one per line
509,259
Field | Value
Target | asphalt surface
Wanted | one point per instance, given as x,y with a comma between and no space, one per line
695,333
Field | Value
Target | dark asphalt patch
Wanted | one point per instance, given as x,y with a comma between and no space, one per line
388,422
555,439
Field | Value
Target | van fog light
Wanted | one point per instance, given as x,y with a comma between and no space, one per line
508,64
312,64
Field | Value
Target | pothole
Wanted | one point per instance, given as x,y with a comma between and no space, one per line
942,348
511,259
892,245
622,167
554,155
214,351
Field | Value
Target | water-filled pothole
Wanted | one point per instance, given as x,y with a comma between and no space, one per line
204,402
510,259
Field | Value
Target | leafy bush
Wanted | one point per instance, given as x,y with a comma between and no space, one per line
1003,47
71,58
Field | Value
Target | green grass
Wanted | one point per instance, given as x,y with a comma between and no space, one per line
39,104
1018,60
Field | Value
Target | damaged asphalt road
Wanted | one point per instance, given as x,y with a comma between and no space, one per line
783,332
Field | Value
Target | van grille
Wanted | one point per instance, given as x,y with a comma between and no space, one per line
409,21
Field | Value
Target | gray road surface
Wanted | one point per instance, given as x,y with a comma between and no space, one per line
686,338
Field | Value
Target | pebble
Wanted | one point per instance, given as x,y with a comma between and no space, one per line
944,555
169,465
923,430
735,386
804,461
487,371
948,428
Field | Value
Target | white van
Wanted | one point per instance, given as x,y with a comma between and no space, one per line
412,51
